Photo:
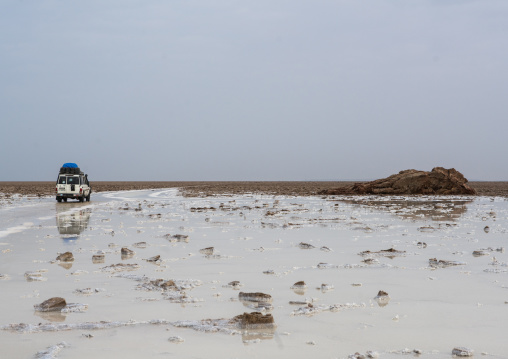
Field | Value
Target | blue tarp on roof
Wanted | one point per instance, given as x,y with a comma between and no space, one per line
70,165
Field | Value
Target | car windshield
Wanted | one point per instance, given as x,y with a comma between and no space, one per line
68,180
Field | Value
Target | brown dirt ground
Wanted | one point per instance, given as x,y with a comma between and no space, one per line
204,189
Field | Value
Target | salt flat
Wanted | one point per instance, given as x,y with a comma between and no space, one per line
345,250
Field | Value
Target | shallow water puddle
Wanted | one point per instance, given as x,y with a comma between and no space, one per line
151,266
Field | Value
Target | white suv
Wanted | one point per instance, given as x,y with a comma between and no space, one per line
73,186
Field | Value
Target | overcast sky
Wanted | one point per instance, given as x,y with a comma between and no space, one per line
253,90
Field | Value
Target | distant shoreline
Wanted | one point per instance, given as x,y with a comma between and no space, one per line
209,188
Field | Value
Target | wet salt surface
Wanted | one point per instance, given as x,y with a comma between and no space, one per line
139,308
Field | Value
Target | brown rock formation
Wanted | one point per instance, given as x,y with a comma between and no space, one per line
253,320
439,181
65,257
51,305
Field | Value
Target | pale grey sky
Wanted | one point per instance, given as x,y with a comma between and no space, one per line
253,90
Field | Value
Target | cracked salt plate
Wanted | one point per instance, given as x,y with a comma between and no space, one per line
35,276
89,291
441,263
176,339
51,352
79,272
48,327
310,310
120,267
75,308
225,326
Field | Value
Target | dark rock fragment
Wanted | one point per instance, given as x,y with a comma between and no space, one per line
255,297
65,257
299,287
153,259
301,284
177,237
169,284
462,352
303,245
384,252
127,253
441,263
480,253
98,258
254,320
207,251
54,304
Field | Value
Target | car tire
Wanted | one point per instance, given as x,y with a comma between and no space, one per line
65,199
59,200
88,197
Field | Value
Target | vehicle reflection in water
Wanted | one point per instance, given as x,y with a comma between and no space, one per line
416,210
72,219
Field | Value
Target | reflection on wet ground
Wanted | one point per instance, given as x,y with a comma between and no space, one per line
72,219
51,316
258,334
416,210
171,263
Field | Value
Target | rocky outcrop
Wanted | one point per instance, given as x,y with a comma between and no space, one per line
439,181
